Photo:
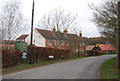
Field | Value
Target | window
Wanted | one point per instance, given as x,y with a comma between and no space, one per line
34,41
49,42
62,42
55,42
76,50
80,44
83,44
68,44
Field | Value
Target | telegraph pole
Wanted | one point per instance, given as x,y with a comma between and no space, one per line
31,39
32,21
118,42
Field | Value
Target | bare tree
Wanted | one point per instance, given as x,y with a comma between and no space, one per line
105,17
11,20
59,19
0,33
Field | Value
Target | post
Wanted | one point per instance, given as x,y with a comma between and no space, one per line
32,21
118,42
78,49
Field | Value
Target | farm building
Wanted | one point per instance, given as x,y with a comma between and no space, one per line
105,48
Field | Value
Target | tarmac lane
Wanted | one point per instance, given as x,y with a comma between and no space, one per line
84,68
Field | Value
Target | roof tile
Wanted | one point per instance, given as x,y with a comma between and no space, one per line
57,36
22,37
106,47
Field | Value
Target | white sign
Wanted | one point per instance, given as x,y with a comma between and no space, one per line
50,56
62,56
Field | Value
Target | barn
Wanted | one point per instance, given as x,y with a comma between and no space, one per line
105,48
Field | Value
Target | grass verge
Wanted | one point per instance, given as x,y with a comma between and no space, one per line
109,69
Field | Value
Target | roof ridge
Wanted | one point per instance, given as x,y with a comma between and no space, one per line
25,34
43,29
55,31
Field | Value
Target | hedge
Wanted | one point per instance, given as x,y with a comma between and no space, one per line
10,57
94,52
37,53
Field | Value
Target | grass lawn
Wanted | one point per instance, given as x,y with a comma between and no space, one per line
21,67
109,69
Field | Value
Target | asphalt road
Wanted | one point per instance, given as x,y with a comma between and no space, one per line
85,68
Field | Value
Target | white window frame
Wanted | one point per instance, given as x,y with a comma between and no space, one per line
55,42
49,42
62,42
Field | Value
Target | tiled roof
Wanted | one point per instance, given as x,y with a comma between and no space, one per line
22,37
9,41
106,47
57,36
46,34
88,48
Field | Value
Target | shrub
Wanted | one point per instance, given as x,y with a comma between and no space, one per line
10,57
37,53
94,52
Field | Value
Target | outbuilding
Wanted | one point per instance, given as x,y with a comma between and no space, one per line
105,48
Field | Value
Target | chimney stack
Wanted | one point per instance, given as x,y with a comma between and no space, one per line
65,32
54,31
80,35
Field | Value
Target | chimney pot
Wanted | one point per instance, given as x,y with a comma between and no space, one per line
65,32
80,34
54,31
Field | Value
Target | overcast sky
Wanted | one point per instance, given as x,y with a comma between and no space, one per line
80,7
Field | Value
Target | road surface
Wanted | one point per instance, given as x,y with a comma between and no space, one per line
85,68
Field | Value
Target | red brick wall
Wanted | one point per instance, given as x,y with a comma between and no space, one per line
65,46
82,48
7,45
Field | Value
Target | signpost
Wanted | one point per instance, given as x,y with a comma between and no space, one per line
51,56
20,45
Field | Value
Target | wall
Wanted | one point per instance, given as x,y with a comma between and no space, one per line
82,48
38,39
27,40
65,46
7,45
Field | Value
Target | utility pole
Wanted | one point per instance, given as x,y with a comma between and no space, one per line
32,21
118,41
31,40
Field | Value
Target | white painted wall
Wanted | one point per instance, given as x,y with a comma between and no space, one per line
38,39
